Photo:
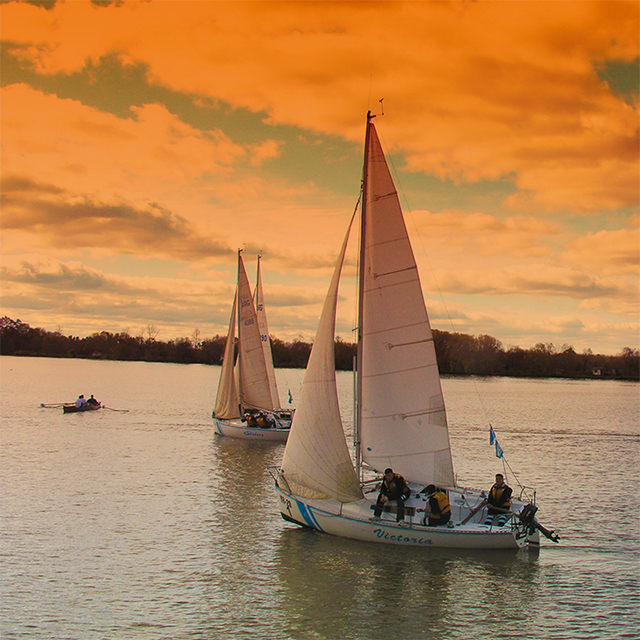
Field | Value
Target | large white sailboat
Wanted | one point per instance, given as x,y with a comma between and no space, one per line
400,419
247,403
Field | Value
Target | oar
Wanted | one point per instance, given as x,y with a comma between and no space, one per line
55,405
117,410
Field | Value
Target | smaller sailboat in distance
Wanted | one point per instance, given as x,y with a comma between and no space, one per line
248,403
400,417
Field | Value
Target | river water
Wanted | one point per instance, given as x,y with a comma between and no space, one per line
139,522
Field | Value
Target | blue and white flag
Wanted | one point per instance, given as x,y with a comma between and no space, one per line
290,397
494,440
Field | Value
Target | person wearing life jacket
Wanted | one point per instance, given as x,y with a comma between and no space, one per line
439,511
499,501
393,487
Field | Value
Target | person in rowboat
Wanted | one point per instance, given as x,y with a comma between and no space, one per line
92,401
439,511
499,501
80,402
395,488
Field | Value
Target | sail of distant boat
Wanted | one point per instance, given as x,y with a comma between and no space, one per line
247,403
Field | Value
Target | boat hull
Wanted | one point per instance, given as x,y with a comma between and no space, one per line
237,429
71,408
353,520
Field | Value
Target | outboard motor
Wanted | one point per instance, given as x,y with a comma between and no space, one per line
528,518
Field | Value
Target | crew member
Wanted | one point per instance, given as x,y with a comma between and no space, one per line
499,501
439,511
395,488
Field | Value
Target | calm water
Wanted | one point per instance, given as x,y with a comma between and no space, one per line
143,524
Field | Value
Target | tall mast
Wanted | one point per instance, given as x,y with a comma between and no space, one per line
361,280
239,360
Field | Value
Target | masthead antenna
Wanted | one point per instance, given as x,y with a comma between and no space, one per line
381,106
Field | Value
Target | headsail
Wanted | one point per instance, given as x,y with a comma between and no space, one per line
403,421
316,462
266,344
226,406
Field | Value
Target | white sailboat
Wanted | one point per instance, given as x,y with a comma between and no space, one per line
400,417
247,403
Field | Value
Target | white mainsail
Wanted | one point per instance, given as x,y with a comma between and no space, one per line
253,385
226,407
403,422
266,344
316,461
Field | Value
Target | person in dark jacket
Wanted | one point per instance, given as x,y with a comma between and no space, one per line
499,501
395,488
439,511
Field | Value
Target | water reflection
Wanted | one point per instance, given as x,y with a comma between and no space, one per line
339,588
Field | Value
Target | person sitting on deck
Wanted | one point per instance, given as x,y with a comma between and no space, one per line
80,402
261,420
250,419
499,501
439,511
395,488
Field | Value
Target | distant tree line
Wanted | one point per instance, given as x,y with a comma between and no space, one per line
458,353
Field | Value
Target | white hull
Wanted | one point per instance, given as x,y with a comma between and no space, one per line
238,429
352,520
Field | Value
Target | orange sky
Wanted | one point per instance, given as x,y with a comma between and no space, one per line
143,143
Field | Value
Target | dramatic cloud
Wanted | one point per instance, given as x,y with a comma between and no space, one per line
145,142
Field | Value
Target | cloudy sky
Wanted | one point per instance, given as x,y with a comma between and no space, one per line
144,143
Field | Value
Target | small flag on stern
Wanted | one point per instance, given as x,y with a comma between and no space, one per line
494,440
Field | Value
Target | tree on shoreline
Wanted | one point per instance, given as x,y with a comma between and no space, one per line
458,353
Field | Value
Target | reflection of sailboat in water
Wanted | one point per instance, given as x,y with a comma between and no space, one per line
400,413
399,595
248,404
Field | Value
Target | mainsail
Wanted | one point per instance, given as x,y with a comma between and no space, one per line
403,423
253,386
